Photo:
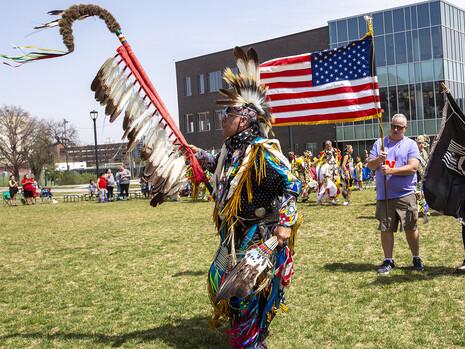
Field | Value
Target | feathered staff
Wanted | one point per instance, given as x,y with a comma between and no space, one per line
123,87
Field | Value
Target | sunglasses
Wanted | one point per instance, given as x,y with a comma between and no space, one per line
399,127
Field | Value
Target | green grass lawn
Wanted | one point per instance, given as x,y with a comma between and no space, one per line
123,274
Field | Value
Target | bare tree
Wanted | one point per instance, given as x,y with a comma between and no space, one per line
63,134
40,153
16,128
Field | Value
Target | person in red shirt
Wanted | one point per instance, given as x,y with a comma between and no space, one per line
102,188
28,189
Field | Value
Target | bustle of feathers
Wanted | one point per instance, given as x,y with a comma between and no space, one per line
246,89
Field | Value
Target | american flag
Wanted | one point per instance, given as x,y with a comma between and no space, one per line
337,85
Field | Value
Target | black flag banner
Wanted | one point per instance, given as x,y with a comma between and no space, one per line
444,182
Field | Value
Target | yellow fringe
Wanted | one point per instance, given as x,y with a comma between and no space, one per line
284,307
294,229
234,203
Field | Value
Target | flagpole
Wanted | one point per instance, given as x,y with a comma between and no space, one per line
379,114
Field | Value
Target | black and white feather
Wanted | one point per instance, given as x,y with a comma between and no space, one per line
164,163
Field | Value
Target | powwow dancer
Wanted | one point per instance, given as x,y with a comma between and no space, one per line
255,206
328,174
255,209
309,182
347,169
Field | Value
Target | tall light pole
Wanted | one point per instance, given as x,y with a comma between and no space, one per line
65,143
93,116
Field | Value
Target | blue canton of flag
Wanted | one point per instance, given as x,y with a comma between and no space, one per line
349,62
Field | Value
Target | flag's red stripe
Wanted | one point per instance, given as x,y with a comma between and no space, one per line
292,84
288,60
328,104
296,72
314,118
332,91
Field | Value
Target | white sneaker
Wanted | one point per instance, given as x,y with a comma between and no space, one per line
346,203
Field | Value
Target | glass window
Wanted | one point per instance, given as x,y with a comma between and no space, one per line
332,32
401,50
408,37
393,106
428,100
380,53
359,131
219,119
416,45
435,13
427,71
404,100
190,123
187,86
402,74
392,75
389,49
443,13
382,76
362,26
457,46
439,99
378,23
214,81
448,44
419,101
423,15
388,22
369,130
342,30
349,132
437,41
413,112
411,73
425,43
438,69
417,72
408,23
447,15
204,122
353,29
444,40
413,17
201,79
399,21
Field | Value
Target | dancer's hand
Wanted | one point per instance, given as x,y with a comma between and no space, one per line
193,148
282,233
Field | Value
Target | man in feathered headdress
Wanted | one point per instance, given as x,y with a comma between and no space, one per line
255,211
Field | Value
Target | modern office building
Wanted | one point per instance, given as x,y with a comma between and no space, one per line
416,48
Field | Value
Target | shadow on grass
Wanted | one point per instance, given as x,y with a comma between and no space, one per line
410,275
182,334
190,273
366,217
350,267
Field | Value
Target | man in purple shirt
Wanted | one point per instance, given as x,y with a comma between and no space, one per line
398,163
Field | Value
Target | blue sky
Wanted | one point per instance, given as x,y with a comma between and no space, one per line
160,32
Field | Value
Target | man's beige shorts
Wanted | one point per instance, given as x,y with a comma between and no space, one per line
403,210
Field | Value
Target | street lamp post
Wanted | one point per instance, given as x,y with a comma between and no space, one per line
93,116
